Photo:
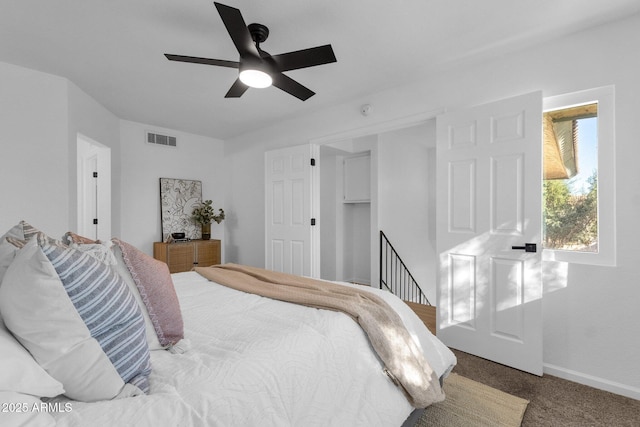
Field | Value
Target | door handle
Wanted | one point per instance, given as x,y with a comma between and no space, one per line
528,247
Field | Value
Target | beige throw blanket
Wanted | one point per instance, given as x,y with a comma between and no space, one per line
404,362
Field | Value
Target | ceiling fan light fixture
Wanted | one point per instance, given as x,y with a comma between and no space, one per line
255,78
256,67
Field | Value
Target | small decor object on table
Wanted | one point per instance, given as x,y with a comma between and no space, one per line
177,237
203,214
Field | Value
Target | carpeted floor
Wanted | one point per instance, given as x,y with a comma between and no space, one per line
553,401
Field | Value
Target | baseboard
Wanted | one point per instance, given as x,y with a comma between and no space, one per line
591,381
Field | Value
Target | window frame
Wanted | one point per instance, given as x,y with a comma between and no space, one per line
605,97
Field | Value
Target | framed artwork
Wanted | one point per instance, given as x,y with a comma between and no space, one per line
178,197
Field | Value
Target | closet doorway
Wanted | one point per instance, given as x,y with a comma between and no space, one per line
345,210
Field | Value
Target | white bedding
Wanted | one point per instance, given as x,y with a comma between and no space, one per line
252,361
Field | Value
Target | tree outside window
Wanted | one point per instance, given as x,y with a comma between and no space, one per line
570,187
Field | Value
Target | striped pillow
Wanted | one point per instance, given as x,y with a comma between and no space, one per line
70,237
78,319
18,243
8,250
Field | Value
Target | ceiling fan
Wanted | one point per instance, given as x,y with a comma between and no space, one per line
257,67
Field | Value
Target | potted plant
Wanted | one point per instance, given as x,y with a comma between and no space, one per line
203,214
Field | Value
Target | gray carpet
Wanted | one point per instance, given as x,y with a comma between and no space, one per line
553,401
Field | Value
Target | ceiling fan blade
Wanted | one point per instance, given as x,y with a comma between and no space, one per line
237,29
206,61
237,89
304,58
291,86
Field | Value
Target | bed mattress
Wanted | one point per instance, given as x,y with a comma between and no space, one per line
253,361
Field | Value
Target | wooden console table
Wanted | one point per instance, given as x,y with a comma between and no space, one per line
183,256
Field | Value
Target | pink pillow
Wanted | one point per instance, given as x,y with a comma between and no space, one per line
156,289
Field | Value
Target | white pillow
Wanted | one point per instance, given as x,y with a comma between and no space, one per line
7,253
78,320
100,251
20,373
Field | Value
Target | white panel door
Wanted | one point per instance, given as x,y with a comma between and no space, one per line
288,210
89,196
488,201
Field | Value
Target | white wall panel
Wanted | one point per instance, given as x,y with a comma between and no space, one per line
297,202
507,128
462,285
507,287
462,195
507,186
277,249
277,192
462,136
296,250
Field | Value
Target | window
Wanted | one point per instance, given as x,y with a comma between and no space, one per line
570,186
579,177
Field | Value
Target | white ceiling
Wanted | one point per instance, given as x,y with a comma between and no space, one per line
114,49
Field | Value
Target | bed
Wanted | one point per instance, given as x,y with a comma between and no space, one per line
235,358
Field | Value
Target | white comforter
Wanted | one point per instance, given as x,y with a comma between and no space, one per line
252,361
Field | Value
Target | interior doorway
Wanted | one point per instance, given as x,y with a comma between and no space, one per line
345,191
93,189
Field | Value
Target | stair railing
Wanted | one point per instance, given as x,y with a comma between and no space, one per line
396,277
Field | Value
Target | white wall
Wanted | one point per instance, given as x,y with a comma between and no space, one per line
142,165
245,201
34,149
44,114
357,243
329,158
591,319
403,199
